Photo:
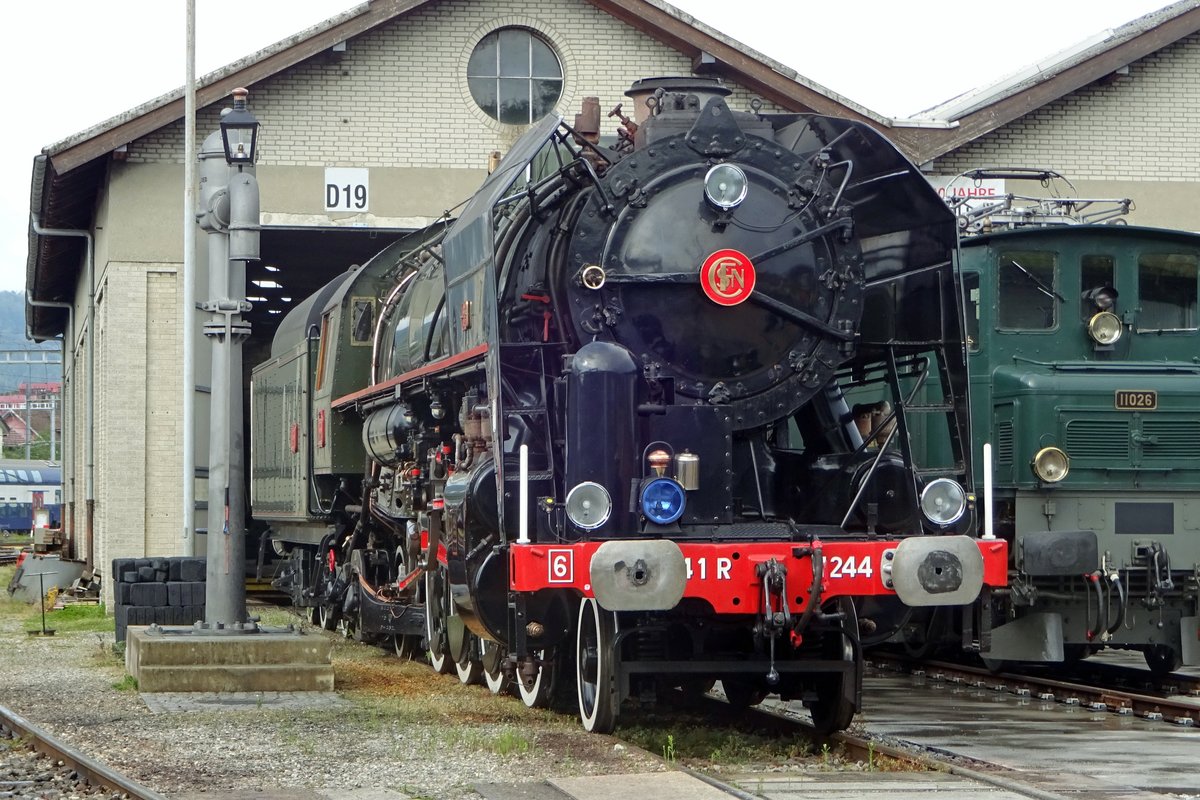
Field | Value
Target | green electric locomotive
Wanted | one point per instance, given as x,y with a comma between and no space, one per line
1084,357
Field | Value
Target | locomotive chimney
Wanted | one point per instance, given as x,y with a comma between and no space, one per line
703,88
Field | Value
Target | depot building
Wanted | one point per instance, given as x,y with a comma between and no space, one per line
380,120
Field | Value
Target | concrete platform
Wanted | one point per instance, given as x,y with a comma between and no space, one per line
659,785
187,660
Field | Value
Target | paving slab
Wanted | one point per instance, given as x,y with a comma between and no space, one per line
658,785
304,794
851,786
518,791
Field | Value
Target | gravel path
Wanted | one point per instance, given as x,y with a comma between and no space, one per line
401,728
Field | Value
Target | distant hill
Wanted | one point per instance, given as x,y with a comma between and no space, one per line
12,337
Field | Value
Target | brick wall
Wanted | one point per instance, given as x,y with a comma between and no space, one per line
163,390
393,100
1142,127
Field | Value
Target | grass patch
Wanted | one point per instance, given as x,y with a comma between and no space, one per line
692,738
127,684
10,608
511,743
272,617
76,617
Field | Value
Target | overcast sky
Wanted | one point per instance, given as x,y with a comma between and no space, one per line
70,64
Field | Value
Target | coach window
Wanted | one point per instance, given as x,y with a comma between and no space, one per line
1095,272
1166,292
1028,299
515,76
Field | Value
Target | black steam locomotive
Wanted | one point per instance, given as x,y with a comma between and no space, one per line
597,432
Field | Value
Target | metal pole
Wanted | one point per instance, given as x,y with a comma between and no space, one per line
229,211
42,600
188,319
28,414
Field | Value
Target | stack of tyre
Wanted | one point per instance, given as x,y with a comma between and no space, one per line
163,591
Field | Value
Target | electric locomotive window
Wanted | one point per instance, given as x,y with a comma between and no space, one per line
514,76
1095,272
1027,299
1166,292
971,304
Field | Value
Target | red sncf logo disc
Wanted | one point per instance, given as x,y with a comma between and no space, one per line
727,277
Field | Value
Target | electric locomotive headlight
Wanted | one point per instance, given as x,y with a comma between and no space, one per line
588,505
725,186
1050,465
943,501
1104,327
663,501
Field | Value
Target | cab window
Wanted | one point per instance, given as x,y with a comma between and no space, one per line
324,350
1166,292
1095,272
1027,295
363,318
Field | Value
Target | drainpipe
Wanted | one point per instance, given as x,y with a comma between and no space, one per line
68,455
89,417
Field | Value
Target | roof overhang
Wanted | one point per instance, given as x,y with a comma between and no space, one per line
1129,43
68,176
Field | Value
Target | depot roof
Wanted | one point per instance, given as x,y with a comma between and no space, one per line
68,175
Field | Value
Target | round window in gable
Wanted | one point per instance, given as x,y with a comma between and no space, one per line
515,76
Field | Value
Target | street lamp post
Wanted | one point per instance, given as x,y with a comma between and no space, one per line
228,211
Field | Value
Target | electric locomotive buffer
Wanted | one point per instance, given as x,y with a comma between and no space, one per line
604,414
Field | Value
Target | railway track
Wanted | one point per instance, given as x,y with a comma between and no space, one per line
64,764
870,749
1173,706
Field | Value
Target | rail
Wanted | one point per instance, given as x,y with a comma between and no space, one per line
1118,700
89,769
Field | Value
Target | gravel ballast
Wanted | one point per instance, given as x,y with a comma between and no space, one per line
399,727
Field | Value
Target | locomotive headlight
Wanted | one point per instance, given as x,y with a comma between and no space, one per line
943,501
1104,327
663,501
725,186
1050,465
588,505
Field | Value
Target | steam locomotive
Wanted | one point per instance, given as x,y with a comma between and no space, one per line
595,434
1082,341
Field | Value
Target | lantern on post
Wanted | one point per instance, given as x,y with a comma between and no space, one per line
239,131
